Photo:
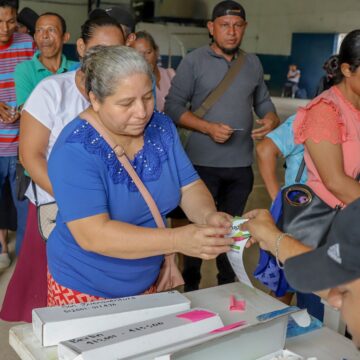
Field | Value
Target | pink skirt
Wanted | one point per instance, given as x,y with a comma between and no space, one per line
27,288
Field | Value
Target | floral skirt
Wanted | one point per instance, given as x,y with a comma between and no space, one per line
60,295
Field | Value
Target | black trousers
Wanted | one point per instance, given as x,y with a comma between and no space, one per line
230,188
8,219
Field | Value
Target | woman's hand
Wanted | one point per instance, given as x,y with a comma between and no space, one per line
262,229
218,219
202,241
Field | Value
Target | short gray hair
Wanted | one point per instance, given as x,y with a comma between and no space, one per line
105,66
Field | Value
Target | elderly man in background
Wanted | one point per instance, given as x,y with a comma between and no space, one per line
50,36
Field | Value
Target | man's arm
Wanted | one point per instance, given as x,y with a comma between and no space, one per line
267,154
263,107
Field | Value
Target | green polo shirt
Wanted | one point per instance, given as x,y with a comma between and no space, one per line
29,73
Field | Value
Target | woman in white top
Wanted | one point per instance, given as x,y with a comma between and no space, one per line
53,104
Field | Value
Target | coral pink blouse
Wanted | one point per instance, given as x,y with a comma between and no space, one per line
166,76
330,117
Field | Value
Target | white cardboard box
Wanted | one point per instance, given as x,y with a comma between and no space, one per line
264,332
247,342
282,355
55,324
138,338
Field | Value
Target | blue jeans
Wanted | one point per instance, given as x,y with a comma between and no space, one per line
8,169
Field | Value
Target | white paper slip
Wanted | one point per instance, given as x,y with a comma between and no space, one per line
236,228
132,340
235,256
54,324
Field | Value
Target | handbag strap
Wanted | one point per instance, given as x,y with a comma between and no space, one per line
220,89
302,168
300,171
124,161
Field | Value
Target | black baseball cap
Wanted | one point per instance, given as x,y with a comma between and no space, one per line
333,264
121,15
28,17
228,7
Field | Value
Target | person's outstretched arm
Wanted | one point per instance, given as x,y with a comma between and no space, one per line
267,154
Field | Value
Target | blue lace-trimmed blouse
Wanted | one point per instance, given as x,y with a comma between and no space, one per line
88,179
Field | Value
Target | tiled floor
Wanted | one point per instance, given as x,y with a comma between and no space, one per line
258,199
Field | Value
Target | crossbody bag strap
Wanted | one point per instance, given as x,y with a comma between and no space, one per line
302,168
120,154
224,84
300,171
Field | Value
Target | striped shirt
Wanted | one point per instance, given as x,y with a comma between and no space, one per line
19,48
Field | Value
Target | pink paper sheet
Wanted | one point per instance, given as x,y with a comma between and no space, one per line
229,327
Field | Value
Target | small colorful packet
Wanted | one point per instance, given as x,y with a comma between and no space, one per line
236,231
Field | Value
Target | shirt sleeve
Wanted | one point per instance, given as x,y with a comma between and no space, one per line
283,137
46,94
181,90
262,102
77,184
320,123
23,85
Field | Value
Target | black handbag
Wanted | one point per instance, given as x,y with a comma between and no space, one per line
22,181
304,215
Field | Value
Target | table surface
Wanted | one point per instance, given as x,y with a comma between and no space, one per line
324,344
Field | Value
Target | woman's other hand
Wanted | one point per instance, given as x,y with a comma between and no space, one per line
202,241
218,219
262,229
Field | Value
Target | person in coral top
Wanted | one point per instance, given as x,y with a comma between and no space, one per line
329,128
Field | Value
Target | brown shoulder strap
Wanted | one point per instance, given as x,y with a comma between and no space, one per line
224,84
120,154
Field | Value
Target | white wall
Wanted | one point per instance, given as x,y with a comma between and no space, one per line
271,22
174,39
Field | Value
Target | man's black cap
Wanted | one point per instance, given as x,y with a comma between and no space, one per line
228,7
121,15
28,17
333,264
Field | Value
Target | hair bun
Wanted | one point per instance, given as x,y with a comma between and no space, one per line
332,65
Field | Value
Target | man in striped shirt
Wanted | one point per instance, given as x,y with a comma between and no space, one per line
14,48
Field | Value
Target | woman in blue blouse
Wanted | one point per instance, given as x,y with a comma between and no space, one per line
106,243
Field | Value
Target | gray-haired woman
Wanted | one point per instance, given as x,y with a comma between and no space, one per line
106,243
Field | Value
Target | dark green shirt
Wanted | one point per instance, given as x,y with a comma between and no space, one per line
29,73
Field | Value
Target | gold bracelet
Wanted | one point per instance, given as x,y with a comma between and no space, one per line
277,245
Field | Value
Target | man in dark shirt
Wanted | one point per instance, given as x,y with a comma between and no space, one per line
221,143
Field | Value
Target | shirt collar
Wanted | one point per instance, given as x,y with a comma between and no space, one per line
214,54
64,66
